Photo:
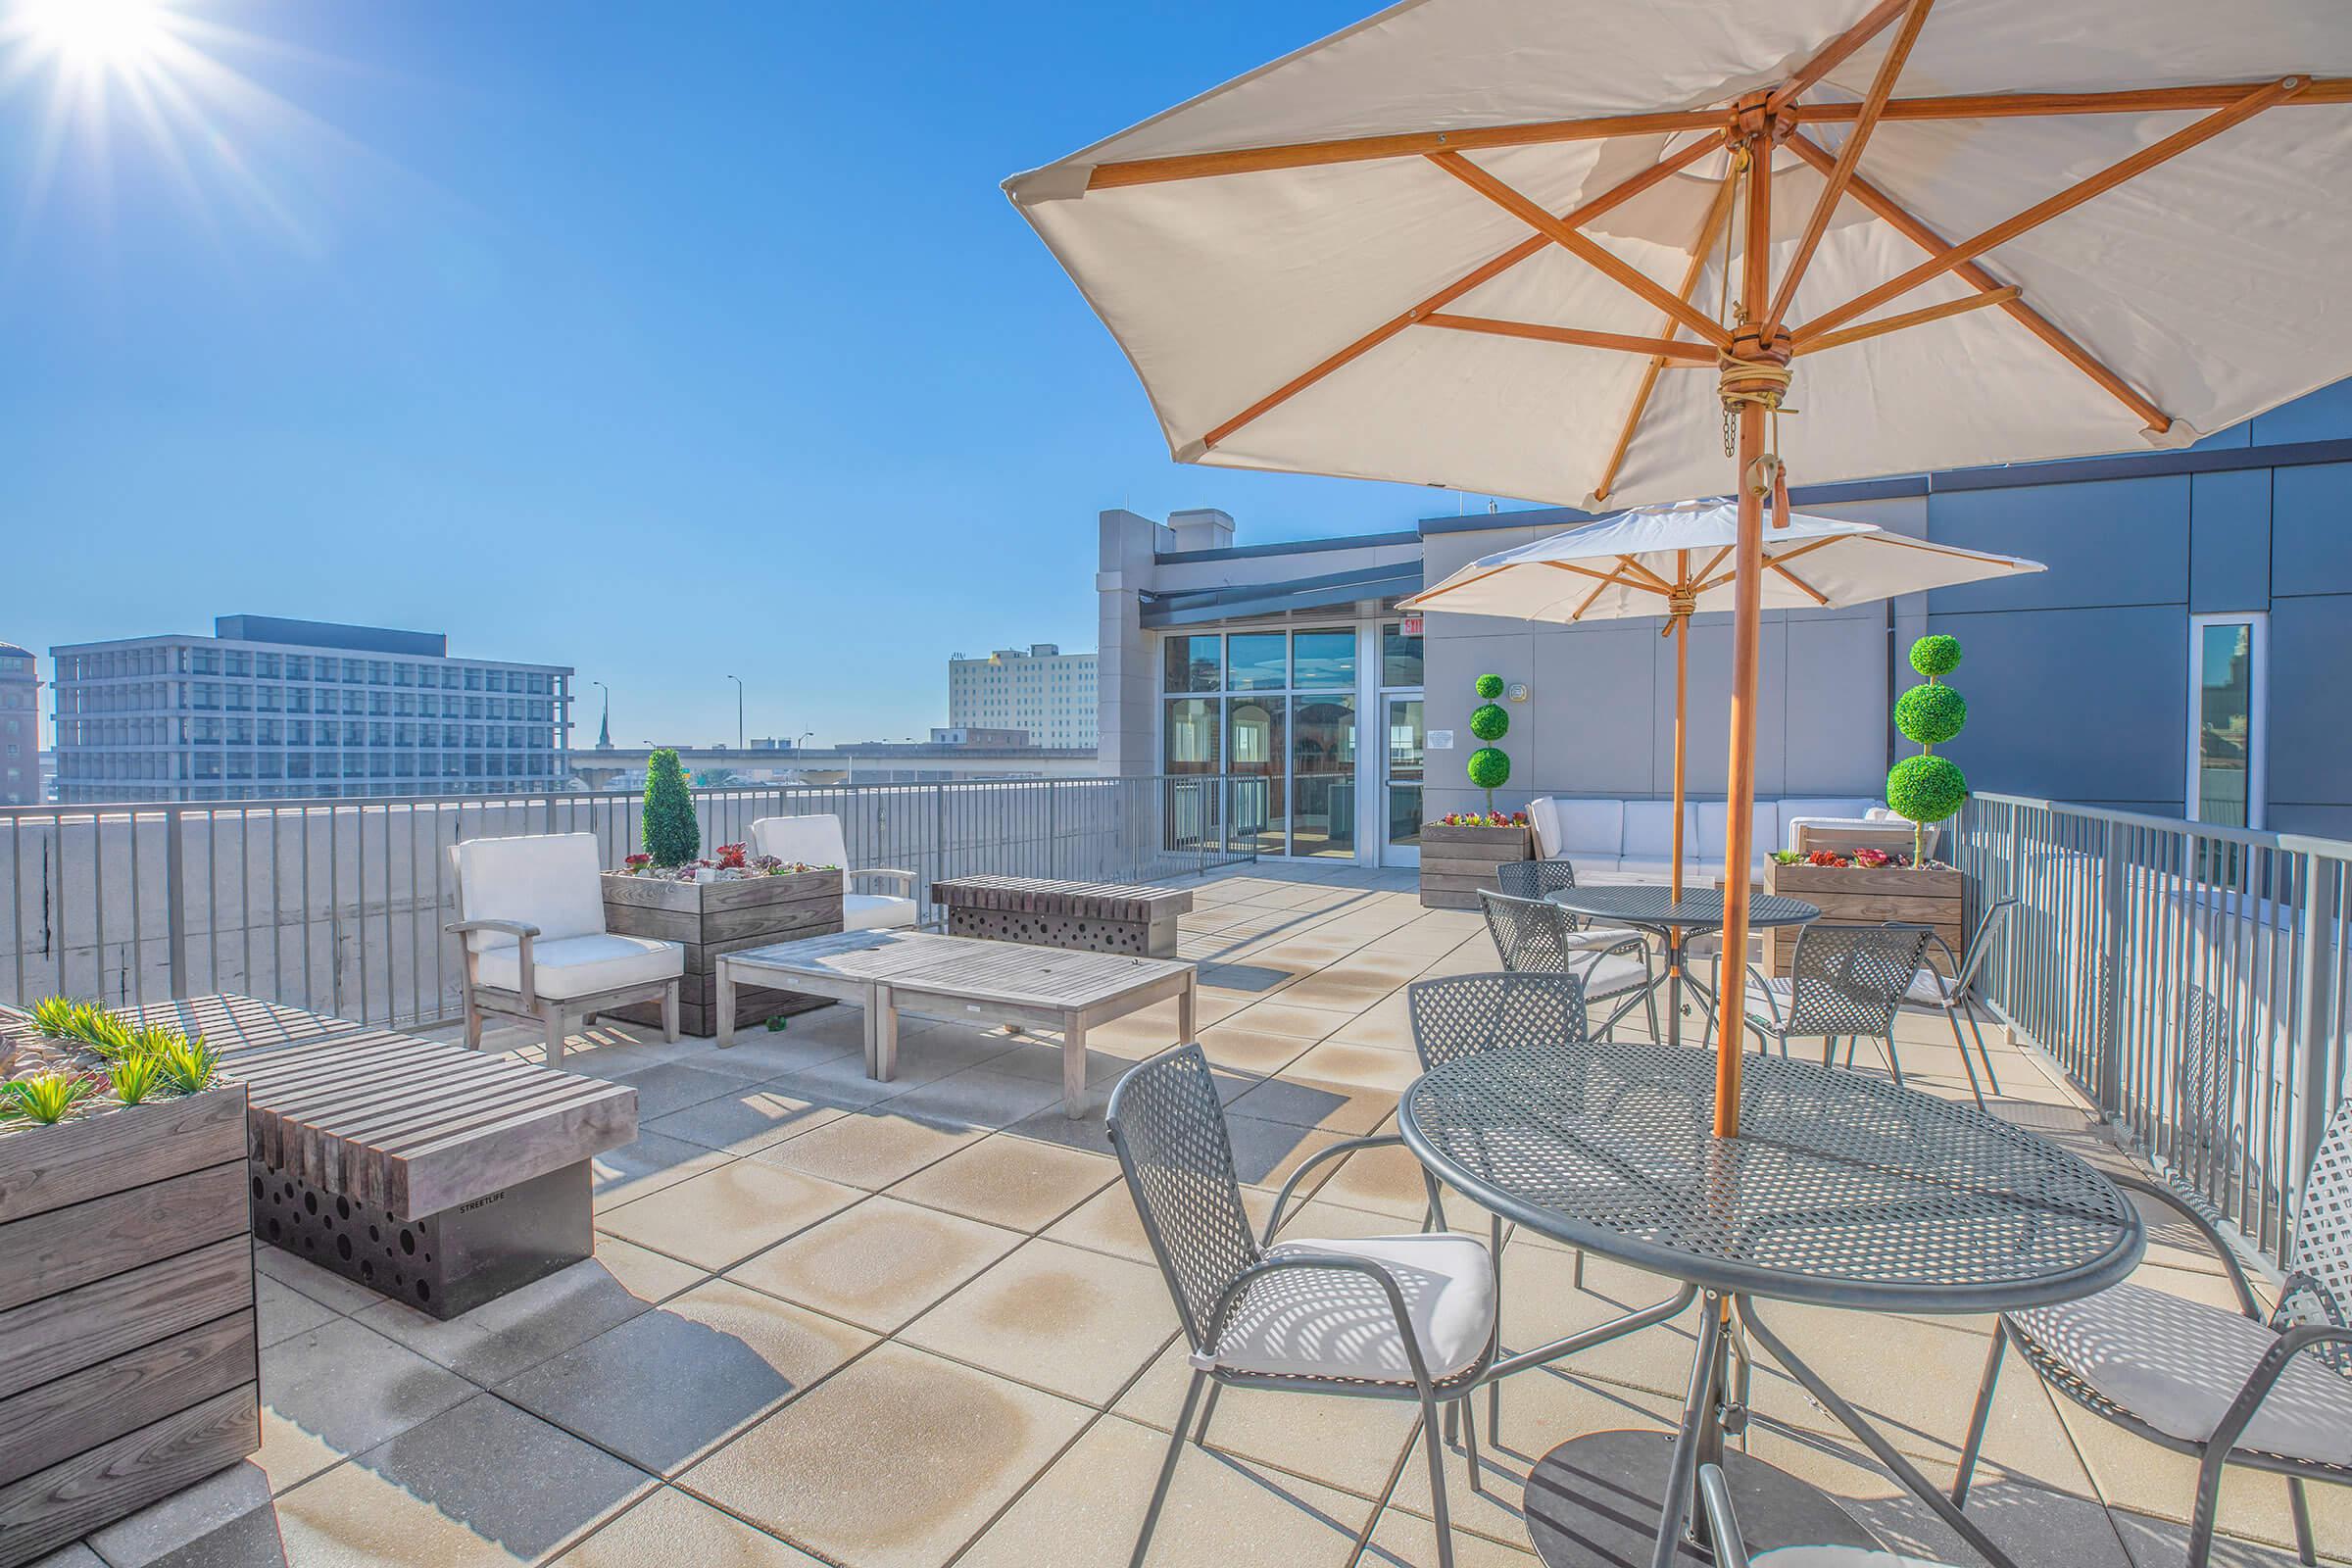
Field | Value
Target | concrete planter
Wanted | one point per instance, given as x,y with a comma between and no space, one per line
716,917
128,1360
1457,861
1852,895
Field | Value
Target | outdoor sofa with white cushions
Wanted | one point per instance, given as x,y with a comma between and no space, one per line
1637,837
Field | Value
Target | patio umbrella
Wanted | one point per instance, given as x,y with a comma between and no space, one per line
1577,249
1671,561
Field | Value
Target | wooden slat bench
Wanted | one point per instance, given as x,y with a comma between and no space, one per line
1088,916
437,1175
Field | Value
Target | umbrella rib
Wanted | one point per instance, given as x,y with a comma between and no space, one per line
1818,596
1898,218
1624,190
1919,318
1575,337
1849,158
1578,613
1839,50
2065,201
1656,579
1121,173
1700,248
1569,239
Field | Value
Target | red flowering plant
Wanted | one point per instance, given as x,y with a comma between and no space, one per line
1482,820
730,857
1872,859
635,864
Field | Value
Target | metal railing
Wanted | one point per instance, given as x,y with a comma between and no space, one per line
2189,978
338,905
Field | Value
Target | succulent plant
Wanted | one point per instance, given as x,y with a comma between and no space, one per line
46,1100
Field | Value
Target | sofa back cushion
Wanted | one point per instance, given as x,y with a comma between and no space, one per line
1649,831
1714,826
814,840
549,880
1592,830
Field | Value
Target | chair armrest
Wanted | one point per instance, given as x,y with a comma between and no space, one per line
1205,1356
1772,1007
1952,979
905,879
2205,1228
521,931
1281,1199
1723,1524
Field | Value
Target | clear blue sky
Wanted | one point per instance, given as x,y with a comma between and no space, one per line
659,340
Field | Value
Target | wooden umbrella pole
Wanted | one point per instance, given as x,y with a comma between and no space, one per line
1753,374
1682,697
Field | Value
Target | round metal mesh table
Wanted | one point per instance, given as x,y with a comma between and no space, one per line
1842,1189
1652,907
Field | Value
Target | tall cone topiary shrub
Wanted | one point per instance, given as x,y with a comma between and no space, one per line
1489,766
672,835
1927,788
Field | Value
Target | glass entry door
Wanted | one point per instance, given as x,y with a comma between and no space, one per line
1400,790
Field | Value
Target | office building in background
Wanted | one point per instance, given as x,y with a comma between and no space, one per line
274,708
1039,689
19,727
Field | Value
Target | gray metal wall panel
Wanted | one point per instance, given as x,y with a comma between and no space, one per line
2106,542
2309,746
2321,415
2310,530
2230,541
2076,705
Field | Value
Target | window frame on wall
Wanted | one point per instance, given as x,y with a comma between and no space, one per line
2258,670
1247,678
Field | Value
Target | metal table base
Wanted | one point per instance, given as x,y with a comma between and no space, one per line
1595,1500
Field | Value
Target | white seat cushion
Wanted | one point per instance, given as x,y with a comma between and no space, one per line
877,912
1323,1323
579,967
1609,977
1837,1558
553,881
1650,832
2177,1365
1929,988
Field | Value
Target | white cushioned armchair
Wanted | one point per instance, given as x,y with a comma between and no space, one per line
817,841
531,914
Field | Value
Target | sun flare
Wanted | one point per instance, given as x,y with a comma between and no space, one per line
119,34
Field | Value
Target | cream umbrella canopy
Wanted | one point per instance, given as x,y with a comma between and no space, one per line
1674,562
1500,245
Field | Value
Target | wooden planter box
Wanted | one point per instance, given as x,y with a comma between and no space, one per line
128,1360
1852,895
1456,862
716,917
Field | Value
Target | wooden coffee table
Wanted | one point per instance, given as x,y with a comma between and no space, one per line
932,976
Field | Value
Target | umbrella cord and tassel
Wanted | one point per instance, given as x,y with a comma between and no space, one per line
1761,381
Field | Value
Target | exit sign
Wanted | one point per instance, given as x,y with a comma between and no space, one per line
1412,625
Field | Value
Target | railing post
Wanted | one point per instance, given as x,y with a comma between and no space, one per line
176,913
2110,1069
2314,1003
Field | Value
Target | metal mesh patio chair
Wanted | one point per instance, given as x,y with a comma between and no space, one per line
1533,879
1845,982
1461,1016
1384,1317
1954,995
1536,935
2273,1393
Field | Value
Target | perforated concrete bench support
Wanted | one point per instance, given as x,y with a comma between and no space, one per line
425,1171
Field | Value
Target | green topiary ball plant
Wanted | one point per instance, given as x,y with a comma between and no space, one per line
1927,788
1489,767
672,835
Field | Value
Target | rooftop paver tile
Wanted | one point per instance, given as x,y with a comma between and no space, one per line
870,1149
652,1163
1349,1444
670,1385
1238,1047
1085,1509
896,1461
338,1296
878,1263
224,1519
1013,1181
674,1086
1078,1323
672,1527
750,1117
982,1097
1403,1540
1300,1100
724,1215
1282,1018
1106,1222
341,1389
482,1485
1387,1067
517,1331
282,1311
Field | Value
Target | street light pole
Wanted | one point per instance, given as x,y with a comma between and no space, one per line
604,728
738,681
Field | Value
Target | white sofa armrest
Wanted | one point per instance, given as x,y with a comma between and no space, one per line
905,879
